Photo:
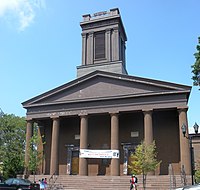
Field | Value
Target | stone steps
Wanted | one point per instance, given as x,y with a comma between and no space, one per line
76,182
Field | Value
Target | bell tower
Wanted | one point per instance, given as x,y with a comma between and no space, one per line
103,43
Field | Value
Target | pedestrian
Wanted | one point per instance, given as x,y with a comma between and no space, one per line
45,183
133,182
42,184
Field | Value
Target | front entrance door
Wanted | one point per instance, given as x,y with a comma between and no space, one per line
128,150
103,164
72,159
75,162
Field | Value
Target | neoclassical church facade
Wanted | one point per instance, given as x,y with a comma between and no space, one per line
92,124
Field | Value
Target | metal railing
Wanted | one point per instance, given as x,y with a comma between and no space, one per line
183,176
52,181
172,177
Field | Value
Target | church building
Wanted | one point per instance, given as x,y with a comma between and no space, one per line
92,124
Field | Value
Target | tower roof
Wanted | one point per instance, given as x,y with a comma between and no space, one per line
90,20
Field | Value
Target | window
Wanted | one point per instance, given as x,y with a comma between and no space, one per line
99,40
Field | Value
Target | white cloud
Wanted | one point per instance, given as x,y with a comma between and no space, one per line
20,13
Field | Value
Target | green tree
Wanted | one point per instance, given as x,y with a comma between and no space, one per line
144,160
196,66
34,151
197,176
197,172
12,144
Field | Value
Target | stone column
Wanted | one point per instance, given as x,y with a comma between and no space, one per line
115,45
54,146
108,45
115,162
148,130
84,48
83,166
40,148
123,53
148,126
90,48
184,142
29,134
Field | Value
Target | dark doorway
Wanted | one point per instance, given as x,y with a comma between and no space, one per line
75,163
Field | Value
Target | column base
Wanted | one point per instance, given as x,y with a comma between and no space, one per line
83,167
115,167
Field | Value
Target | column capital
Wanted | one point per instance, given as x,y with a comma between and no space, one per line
82,115
91,34
147,111
108,30
114,113
180,109
84,34
115,29
29,119
55,117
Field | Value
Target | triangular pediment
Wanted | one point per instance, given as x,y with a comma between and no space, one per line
101,85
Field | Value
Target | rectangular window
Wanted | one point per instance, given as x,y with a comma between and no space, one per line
99,40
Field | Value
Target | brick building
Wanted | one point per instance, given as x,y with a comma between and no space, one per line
93,123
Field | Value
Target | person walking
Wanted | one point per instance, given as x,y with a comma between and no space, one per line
45,183
133,182
42,184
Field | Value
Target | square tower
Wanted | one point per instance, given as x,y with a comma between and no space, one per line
103,43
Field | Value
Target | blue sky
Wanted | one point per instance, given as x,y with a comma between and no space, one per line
40,44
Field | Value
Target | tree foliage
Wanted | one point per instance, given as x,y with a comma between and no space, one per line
144,160
196,66
197,172
12,144
197,176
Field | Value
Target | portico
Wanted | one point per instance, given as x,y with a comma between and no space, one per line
118,128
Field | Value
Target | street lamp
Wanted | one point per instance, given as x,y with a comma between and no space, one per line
184,129
196,127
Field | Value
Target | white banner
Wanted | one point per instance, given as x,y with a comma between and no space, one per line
87,153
